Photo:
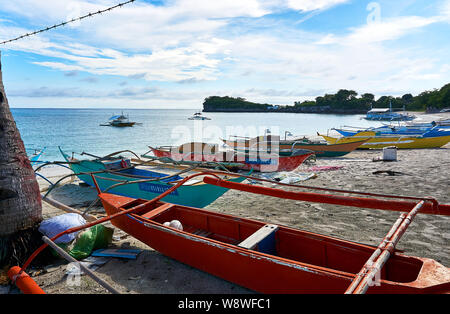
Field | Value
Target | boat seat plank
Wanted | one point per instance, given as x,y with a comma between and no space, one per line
262,240
202,233
157,211
196,231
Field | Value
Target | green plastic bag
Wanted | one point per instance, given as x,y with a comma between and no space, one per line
96,237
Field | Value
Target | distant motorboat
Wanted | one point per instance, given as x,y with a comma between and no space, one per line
198,116
386,114
119,121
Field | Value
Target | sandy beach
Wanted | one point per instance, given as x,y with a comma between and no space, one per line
421,172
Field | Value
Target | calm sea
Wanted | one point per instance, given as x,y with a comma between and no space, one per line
79,130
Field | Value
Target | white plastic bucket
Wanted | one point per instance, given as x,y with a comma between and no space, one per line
390,153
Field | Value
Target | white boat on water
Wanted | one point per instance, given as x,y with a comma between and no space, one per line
198,116
119,121
387,114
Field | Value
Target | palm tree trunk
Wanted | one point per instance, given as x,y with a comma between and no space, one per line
20,199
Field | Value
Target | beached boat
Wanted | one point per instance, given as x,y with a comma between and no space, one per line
267,161
375,141
119,121
440,122
113,171
198,116
320,148
34,158
272,258
423,129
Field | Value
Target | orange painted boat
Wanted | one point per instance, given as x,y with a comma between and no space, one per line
273,258
321,149
258,161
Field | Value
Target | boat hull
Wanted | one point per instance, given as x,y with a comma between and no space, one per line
302,262
123,124
401,142
35,158
197,195
320,149
271,163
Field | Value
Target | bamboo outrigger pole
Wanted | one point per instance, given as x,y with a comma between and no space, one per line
380,256
69,258
431,206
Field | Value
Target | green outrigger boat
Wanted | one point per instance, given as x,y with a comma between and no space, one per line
109,172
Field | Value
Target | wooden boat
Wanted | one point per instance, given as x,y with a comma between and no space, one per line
198,116
113,171
34,159
387,114
375,141
268,161
384,114
277,259
425,130
321,149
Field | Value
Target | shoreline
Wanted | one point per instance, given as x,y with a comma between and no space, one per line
419,172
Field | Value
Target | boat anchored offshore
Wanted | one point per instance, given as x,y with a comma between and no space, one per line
387,114
198,116
119,121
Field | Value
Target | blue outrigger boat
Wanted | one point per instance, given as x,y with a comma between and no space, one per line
424,130
110,172
34,159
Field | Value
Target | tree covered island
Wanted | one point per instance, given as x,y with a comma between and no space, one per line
343,102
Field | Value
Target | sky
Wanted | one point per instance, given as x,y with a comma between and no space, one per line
173,54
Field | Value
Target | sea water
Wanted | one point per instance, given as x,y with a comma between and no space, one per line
79,130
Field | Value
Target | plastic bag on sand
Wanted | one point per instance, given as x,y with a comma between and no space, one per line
58,224
96,237
292,177
298,178
89,240
79,244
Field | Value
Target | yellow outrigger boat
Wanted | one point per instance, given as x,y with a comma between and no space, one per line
380,141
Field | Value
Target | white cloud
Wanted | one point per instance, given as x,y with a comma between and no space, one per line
312,5
193,62
390,29
188,42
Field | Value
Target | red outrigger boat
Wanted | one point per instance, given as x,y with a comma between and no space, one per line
278,259
275,259
258,161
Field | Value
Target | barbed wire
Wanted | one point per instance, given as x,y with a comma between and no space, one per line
67,22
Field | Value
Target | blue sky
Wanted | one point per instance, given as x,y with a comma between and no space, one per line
174,54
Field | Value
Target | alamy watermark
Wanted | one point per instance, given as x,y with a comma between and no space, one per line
375,13
250,144
74,272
